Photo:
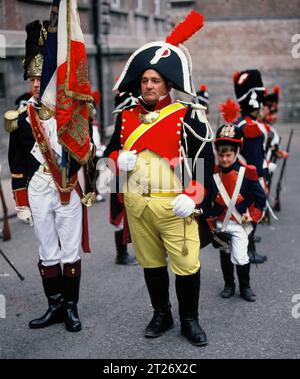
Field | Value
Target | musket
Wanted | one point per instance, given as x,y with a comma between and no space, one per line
11,265
5,230
273,160
277,206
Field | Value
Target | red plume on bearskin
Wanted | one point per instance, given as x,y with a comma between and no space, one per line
276,90
235,75
203,88
230,111
183,31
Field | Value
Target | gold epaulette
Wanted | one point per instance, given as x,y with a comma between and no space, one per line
11,119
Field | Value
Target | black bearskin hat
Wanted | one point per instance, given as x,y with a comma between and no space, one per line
34,48
203,96
272,97
249,90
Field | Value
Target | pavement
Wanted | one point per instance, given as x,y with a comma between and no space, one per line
114,304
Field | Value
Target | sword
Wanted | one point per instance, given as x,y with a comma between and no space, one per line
11,265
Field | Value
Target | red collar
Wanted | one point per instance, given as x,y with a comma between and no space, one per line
160,105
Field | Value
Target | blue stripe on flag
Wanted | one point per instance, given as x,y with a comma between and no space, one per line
50,51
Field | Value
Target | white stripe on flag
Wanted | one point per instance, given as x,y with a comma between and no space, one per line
76,32
62,36
49,95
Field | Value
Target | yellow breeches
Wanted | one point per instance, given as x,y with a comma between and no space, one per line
157,233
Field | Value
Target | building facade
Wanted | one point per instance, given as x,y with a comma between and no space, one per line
242,34
113,29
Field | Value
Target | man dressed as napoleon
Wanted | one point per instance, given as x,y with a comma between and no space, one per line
156,146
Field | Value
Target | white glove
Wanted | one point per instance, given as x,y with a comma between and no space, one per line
24,214
183,206
127,160
272,167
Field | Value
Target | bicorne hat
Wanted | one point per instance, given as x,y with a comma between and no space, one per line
169,58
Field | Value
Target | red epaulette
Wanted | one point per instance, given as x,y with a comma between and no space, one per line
251,172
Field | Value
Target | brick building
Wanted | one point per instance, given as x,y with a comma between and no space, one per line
112,29
238,34
242,34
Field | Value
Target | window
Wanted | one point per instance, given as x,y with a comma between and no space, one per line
139,5
157,8
2,87
115,3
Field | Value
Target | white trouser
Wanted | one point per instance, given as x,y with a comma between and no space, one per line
57,227
239,242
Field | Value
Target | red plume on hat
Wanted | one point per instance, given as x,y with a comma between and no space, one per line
230,111
183,31
276,89
203,88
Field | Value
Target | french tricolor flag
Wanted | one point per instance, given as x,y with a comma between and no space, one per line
65,86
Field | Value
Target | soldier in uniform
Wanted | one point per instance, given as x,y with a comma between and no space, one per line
269,115
202,97
249,91
123,100
55,210
151,144
238,201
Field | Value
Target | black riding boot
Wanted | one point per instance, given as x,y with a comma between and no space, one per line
252,254
71,283
243,273
157,281
52,283
228,274
123,257
188,291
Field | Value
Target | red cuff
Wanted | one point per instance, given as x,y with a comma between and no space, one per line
256,214
21,197
195,191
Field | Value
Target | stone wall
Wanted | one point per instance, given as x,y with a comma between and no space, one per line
242,35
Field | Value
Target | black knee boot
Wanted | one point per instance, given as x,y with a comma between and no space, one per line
252,254
52,283
228,274
243,273
71,283
123,257
157,281
188,291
